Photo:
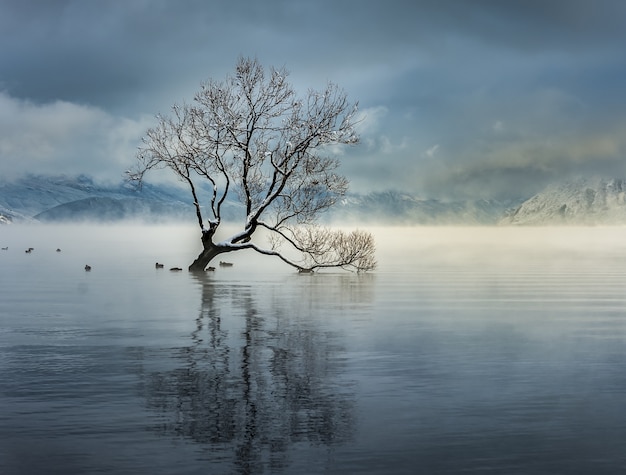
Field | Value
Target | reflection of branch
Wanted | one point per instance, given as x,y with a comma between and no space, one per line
257,389
245,451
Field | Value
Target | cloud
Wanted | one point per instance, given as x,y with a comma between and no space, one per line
370,120
372,127
430,153
61,137
514,94
518,166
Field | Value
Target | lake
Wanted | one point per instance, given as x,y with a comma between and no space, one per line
469,350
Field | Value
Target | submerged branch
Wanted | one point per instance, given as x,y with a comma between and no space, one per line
322,247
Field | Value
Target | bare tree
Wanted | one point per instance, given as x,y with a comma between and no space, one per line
251,137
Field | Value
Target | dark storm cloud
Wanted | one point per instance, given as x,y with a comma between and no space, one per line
110,53
458,97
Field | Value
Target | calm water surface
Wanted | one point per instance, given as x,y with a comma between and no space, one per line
467,351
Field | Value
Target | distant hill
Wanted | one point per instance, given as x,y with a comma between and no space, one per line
584,201
64,198
61,197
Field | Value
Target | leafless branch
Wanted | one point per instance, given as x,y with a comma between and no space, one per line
252,138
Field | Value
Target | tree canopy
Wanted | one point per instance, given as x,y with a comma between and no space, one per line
252,138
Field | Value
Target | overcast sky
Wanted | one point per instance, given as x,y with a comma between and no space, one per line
462,98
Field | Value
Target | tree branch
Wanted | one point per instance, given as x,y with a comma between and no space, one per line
252,137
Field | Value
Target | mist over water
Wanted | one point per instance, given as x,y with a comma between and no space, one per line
487,350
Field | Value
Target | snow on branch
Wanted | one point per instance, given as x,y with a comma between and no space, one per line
251,138
322,247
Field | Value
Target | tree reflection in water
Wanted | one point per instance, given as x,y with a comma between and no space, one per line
257,382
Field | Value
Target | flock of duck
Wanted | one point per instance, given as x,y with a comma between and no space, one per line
31,249
158,265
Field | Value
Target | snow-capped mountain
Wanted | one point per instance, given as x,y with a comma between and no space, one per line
62,198
583,201
34,194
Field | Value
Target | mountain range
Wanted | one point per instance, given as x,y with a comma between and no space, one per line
585,201
64,198
75,198
79,198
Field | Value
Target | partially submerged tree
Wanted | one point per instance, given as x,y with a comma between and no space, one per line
252,138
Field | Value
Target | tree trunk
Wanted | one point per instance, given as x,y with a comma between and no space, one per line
210,252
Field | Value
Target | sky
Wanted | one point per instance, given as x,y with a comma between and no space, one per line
459,99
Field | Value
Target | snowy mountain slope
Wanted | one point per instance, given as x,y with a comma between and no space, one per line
65,198
7,216
583,201
62,198
34,194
